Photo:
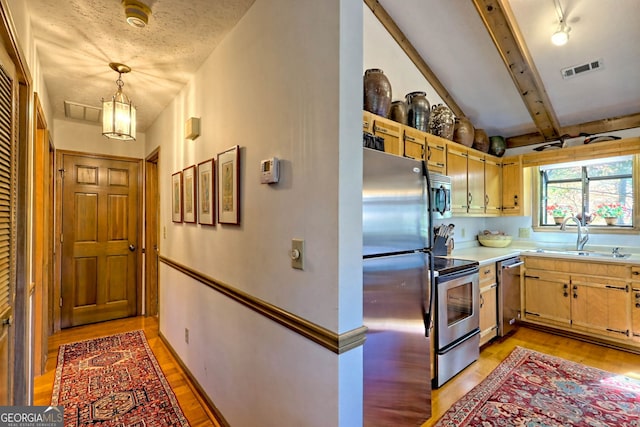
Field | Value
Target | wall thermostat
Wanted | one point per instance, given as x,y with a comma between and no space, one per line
270,171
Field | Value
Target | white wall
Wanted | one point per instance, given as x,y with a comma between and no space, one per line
87,138
286,82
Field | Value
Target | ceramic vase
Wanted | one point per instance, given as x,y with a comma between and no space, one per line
441,121
611,220
398,112
497,145
480,140
463,131
377,92
418,110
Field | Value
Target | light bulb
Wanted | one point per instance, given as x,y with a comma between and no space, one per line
561,37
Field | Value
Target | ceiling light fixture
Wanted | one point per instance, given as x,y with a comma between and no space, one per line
118,113
561,36
137,13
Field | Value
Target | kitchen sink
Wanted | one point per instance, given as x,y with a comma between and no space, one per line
581,253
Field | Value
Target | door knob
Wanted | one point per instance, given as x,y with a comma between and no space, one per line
132,247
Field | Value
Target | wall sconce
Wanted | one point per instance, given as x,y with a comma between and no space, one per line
118,113
561,36
192,128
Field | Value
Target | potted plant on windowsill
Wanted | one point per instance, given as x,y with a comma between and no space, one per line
558,213
610,212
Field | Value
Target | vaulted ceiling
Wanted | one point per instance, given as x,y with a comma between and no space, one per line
490,60
493,61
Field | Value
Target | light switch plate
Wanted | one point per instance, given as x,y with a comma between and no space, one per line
297,254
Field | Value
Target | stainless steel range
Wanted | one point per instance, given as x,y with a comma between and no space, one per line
456,318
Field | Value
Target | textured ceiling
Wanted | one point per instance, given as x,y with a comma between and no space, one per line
77,39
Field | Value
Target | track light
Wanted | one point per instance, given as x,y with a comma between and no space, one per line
561,36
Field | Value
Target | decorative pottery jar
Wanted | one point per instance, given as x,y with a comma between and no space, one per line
441,121
418,110
377,92
398,112
497,145
463,131
480,140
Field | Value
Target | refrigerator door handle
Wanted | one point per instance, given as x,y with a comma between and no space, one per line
432,293
425,173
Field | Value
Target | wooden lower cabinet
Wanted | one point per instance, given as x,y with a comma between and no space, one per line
547,297
635,304
488,303
593,298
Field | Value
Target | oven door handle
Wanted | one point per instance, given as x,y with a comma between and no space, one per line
510,266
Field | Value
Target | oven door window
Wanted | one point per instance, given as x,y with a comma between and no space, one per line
459,303
441,199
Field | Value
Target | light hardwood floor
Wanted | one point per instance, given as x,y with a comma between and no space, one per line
608,359
199,416
193,407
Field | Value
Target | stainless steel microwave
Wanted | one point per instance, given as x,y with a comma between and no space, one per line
440,193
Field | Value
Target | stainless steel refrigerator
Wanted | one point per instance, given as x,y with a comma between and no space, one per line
397,287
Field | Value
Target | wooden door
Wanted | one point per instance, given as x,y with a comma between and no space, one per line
457,170
8,185
151,234
492,186
475,183
547,297
100,208
512,186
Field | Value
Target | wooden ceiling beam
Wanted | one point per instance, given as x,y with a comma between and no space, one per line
501,25
413,55
592,128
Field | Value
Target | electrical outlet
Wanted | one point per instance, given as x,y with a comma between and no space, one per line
462,232
524,233
186,335
297,254
164,231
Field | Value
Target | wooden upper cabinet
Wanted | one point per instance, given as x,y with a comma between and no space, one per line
475,183
367,122
457,170
436,155
492,186
390,131
512,187
415,142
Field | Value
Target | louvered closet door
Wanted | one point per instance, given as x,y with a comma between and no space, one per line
7,221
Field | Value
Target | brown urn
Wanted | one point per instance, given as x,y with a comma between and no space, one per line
463,131
481,140
377,92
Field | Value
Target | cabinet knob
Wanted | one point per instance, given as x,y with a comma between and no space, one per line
575,296
638,305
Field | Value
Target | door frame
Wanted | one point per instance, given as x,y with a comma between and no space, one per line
59,194
42,237
151,232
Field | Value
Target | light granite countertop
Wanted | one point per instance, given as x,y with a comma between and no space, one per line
485,255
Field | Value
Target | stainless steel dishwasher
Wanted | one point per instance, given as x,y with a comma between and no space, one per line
508,294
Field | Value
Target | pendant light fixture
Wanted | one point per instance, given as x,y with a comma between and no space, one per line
561,36
118,113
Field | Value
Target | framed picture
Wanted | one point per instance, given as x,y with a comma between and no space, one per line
229,186
206,193
176,197
189,194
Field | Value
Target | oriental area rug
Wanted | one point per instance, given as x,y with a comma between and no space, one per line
534,389
114,381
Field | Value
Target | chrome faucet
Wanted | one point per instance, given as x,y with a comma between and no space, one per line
582,239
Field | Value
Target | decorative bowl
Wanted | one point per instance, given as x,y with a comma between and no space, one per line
495,240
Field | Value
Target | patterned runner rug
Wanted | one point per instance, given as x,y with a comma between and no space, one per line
114,381
534,389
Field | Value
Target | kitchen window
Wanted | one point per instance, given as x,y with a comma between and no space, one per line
599,192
